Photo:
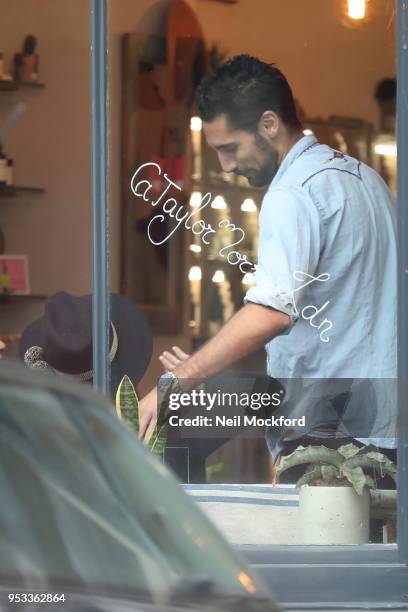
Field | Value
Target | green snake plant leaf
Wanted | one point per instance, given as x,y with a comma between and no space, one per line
358,478
127,403
158,438
310,454
127,408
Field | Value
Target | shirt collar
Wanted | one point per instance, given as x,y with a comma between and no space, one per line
298,148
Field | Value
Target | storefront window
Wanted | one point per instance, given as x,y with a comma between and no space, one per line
202,235
45,187
199,237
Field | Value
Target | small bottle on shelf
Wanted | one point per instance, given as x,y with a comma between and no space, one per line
3,167
10,172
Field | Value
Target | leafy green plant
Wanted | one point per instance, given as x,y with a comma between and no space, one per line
127,408
344,466
217,56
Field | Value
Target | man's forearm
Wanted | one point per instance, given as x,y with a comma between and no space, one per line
246,332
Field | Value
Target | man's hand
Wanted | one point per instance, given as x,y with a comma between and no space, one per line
2,348
171,360
247,331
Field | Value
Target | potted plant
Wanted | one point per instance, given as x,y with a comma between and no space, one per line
127,408
334,499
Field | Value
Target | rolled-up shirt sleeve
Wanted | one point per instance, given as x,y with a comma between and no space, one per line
289,247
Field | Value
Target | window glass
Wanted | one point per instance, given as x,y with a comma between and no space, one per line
45,187
241,196
72,496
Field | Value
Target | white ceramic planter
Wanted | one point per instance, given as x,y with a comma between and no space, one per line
333,515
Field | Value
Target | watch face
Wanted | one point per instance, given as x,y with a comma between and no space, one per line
166,381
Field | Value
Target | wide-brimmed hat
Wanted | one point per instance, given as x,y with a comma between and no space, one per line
61,340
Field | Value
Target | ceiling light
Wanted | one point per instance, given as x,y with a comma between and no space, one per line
196,124
248,279
218,277
388,149
194,274
248,205
218,202
356,9
195,199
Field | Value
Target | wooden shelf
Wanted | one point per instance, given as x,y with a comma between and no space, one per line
13,191
10,297
15,85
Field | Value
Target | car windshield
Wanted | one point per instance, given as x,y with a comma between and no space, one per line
83,504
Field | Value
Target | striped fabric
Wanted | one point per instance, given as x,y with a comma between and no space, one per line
250,514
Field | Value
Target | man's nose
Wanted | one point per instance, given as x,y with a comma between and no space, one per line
227,165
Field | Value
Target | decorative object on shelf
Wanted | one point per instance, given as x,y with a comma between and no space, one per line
26,64
10,172
14,275
6,166
334,505
216,56
3,167
2,242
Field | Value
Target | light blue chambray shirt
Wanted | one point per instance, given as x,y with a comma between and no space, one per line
329,220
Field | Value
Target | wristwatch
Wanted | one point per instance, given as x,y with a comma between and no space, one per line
168,382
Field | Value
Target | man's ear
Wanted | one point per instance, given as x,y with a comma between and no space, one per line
269,124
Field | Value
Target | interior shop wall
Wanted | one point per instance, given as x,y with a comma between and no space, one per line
333,68
50,145
307,42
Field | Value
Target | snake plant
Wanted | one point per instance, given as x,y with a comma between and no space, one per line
331,467
127,408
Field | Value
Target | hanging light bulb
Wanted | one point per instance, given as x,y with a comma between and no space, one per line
195,199
194,273
356,9
218,202
218,276
389,150
196,124
195,248
248,205
248,279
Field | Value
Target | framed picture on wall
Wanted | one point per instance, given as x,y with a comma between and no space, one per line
14,275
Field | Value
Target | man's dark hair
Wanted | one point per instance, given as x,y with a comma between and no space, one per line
243,88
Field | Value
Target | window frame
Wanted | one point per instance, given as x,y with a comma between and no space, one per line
302,577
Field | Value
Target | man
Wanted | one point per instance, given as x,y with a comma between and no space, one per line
324,297
2,348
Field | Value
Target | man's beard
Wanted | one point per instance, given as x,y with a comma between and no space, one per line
263,176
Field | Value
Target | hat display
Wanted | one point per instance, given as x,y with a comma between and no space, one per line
61,340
